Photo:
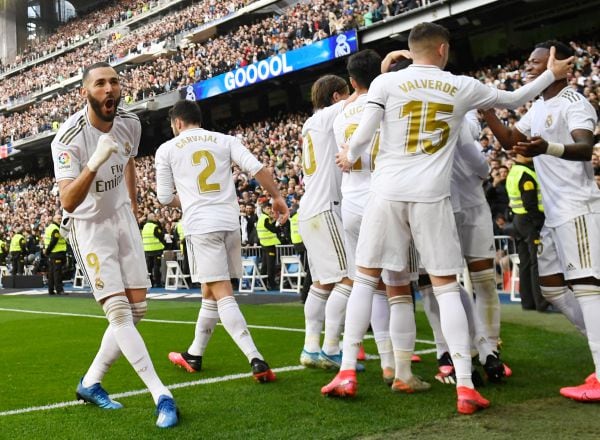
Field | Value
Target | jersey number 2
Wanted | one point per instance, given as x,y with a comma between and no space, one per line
205,157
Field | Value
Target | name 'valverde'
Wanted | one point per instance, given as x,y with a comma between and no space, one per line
428,84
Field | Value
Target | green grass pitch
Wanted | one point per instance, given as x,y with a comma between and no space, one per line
42,357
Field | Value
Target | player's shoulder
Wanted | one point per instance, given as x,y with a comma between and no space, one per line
127,115
71,127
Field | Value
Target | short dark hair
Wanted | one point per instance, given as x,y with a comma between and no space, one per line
364,67
423,32
323,89
562,50
188,111
97,65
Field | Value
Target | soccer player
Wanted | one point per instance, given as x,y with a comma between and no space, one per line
320,226
558,132
93,155
420,109
197,163
395,352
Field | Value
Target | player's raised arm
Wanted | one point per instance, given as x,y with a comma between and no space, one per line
580,150
279,206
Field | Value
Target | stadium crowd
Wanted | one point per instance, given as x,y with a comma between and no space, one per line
299,25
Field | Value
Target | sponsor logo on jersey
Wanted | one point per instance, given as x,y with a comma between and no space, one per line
549,121
64,161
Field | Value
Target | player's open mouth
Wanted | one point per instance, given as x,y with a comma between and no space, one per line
109,105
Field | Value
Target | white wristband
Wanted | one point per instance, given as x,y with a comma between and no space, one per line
555,149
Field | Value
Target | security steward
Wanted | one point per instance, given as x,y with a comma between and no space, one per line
55,249
301,251
267,229
153,237
17,252
3,251
525,200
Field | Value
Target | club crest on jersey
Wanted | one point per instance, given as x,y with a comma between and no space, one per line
99,284
127,148
549,121
64,161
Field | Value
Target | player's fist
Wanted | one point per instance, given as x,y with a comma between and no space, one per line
105,147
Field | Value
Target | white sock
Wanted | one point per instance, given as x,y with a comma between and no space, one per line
456,331
235,324
358,314
205,325
314,316
109,350
476,331
563,299
335,313
380,323
118,313
403,333
432,311
588,297
487,303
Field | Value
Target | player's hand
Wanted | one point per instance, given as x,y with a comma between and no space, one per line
560,68
393,57
105,147
534,147
280,208
341,159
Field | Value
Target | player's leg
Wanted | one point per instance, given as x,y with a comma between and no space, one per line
577,243
327,260
380,323
552,281
442,258
208,317
403,333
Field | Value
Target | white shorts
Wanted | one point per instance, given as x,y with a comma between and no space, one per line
572,248
351,224
387,229
476,231
322,237
215,256
110,253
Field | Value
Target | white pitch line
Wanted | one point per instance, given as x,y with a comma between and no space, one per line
168,321
175,386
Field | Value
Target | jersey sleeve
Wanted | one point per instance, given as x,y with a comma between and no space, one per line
66,158
241,156
165,184
137,136
524,124
470,153
581,116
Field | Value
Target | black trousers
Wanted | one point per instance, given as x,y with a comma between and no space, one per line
306,283
269,266
153,264
18,263
527,235
56,265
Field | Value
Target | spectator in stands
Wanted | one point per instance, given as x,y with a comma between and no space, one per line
495,191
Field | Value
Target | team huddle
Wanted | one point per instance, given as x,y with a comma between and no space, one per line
392,195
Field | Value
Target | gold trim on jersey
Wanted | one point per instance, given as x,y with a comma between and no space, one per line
583,244
336,238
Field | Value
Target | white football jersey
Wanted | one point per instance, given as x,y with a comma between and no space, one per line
74,144
198,164
423,107
356,183
568,187
322,178
469,169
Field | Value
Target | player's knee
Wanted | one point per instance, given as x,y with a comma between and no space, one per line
118,311
138,311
